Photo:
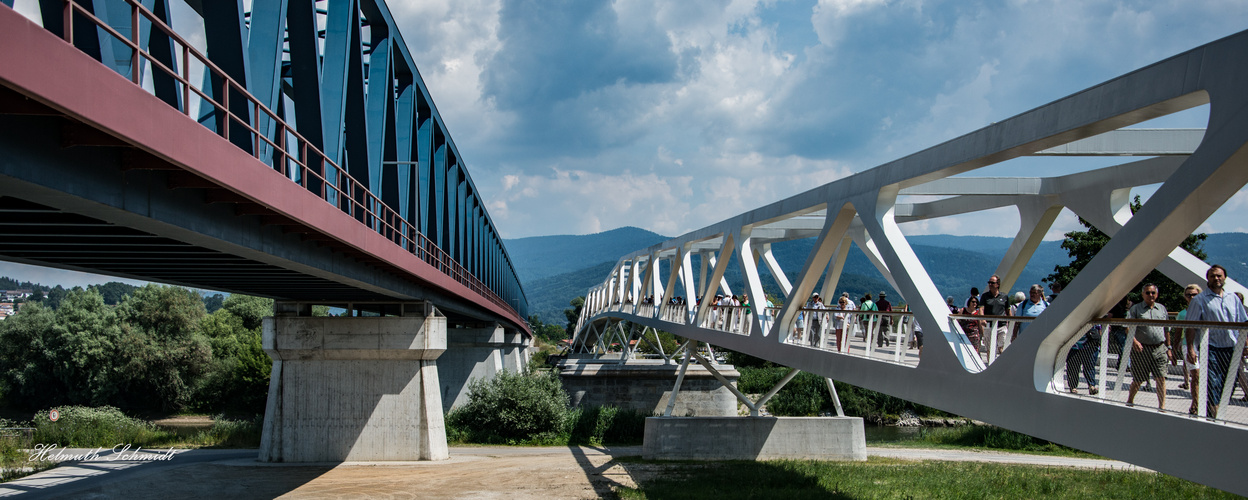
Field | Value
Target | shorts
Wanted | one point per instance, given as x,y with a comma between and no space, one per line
1149,363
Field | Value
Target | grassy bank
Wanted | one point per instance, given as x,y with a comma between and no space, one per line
890,478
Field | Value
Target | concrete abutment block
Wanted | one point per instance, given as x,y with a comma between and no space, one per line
754,438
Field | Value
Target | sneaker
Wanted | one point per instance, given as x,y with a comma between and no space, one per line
1093,391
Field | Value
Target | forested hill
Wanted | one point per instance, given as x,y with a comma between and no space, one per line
7,283
544,256
556,269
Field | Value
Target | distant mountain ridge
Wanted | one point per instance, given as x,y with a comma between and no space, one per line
540,257
556,269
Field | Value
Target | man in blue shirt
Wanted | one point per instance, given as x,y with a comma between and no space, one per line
1215,304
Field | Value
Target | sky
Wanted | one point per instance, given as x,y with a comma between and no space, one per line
581,116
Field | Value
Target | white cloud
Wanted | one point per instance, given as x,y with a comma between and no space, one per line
741,122
580,202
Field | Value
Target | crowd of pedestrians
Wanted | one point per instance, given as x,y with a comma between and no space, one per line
1145,346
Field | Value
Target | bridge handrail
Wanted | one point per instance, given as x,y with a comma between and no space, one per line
381,219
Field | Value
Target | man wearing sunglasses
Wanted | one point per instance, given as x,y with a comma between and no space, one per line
1148,351
995,303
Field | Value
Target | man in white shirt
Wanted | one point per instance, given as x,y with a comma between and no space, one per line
1215,304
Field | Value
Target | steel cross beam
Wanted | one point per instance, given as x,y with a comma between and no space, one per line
1198,173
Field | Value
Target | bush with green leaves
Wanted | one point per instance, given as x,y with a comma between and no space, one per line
88,427
598,425
805,395
512,407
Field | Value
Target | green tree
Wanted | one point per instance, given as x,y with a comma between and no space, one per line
164,353
1082,246
573,315
670,342
213,302
55,296
66,356
548,333
238,380
114,292
251,310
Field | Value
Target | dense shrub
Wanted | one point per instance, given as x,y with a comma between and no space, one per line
86,427
511,407
805,395
756,380
598,425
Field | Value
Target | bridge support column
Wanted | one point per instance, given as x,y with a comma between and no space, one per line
354,389
478,353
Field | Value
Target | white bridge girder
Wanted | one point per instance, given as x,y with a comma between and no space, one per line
1198,172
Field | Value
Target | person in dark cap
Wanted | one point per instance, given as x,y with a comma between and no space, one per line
885,321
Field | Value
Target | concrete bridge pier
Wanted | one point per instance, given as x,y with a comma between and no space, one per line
478,352
354,388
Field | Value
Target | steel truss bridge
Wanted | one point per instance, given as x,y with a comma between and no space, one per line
1025,387
294,153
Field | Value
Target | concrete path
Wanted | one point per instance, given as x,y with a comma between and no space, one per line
472,472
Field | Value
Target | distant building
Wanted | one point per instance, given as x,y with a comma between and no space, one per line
12,295
7,309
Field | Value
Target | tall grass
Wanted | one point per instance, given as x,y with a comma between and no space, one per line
105,426
988,436
89,427
599,425
890,478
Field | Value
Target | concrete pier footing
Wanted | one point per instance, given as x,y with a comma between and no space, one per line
646,386
754,438
354,389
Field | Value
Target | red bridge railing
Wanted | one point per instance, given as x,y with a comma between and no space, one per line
294,156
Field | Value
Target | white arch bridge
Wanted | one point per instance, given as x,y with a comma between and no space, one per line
1025,388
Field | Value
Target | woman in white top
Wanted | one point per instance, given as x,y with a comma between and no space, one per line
840,319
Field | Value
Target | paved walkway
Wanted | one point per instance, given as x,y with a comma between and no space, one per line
472,472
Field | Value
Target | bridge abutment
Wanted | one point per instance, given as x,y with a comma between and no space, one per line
646,386
354,389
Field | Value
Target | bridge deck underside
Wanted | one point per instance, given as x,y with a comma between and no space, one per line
73,196
41,235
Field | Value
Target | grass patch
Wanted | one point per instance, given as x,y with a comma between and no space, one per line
15,459
890,478
987,437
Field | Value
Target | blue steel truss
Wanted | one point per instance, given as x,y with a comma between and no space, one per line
326,85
